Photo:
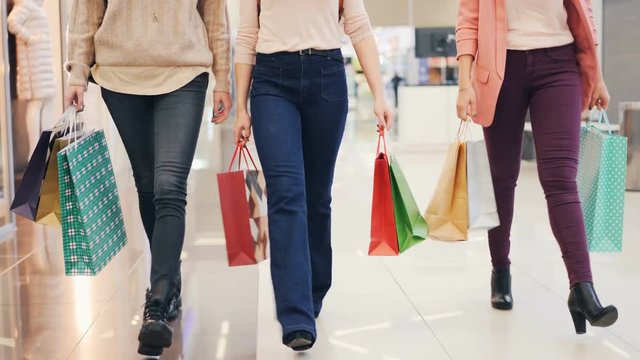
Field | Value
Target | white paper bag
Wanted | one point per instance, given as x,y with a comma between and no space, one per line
483,211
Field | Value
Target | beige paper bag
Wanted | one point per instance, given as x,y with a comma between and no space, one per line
447,214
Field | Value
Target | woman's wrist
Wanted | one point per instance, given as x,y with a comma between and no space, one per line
377,97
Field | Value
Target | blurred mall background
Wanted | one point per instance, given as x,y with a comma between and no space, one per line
431,303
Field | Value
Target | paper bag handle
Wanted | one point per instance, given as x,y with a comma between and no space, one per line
242,152
381,141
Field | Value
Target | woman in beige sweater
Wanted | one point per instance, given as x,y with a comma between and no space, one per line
289,54
151,59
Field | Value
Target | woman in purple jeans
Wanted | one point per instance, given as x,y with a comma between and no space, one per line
540,56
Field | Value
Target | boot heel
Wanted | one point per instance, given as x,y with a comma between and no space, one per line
149,350
579,322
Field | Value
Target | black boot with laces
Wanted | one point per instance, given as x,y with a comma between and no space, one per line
156,333
175,303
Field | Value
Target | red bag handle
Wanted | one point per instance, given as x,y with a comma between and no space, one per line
241,153
381,140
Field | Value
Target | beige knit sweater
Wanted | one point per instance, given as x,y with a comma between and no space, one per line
148,34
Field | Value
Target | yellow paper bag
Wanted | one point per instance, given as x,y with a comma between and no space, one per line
49,206
447,214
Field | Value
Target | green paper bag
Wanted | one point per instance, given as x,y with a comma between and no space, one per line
410,225
601,185
93,229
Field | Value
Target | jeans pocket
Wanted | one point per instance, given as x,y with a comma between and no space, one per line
267,80
334,83
562,53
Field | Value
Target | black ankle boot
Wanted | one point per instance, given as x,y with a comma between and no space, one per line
585,305
155,334
175,304
299,340
501,297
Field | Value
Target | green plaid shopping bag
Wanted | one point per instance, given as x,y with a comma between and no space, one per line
601,185
92,225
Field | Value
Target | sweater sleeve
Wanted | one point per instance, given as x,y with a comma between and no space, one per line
356,21
247,33
216,20
467,27
84,21
16,20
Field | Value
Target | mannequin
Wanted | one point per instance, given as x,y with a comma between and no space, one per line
36,80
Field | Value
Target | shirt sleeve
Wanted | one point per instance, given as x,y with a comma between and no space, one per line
216,21
247,33
467,28
84,21
356,21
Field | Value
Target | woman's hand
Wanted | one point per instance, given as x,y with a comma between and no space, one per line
242,128
221,106
383,114
466,103
74,96
600,97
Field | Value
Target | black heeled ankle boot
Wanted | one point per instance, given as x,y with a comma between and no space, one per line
299,340
584,305
156,333
501,297
175,304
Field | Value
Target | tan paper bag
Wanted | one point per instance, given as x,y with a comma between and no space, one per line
447,214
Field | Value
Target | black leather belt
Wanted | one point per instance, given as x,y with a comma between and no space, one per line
328,53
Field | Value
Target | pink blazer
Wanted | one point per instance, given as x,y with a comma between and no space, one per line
481,31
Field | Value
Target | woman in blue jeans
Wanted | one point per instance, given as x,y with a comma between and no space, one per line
289,55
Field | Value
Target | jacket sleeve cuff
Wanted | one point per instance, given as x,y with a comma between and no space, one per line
78,74
467,47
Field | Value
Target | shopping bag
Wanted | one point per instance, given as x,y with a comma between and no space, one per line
243,200
410,225
483,210
49,212
25,202
384,238
93,229
601,186
448,212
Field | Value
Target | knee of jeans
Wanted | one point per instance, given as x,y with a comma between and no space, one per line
558,183
286,197
318,200
170,186
144,183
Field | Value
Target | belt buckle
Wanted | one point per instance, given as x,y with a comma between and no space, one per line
305,52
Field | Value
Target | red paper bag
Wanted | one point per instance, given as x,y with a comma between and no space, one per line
384,238
243,199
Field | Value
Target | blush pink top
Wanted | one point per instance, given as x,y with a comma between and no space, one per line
537,24
293,25
481,31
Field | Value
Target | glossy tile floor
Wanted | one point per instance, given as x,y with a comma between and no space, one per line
430,303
